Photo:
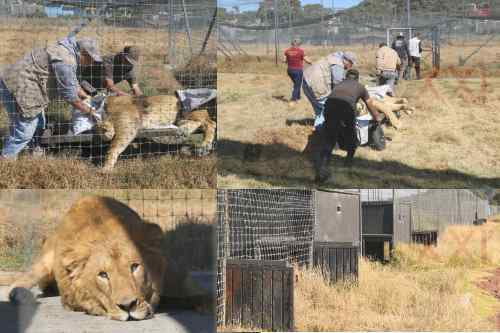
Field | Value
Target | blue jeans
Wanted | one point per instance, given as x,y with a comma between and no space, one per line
318,104
21,130
296,77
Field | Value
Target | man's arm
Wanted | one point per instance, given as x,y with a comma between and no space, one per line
338,74
110,85
377,116
307,60
82,94
68,87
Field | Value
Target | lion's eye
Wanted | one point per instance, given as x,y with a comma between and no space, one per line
103,275
134,267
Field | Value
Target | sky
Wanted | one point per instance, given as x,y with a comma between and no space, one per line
253,4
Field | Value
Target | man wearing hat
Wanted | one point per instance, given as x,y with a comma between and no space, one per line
322,76
44,74
113,70
401,47
388,63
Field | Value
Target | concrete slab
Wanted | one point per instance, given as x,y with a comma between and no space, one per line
48,316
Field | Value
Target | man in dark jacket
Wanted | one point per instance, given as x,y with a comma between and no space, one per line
340,123
113,70
401,47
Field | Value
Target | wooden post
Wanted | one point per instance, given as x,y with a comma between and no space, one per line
259,294
337,261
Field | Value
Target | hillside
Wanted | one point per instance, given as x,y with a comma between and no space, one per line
387,7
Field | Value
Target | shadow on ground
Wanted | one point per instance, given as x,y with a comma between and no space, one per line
279,165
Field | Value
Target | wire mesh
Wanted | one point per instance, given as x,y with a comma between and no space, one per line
248,27
263,225
176,51
186,217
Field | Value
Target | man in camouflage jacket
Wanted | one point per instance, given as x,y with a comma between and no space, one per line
42,75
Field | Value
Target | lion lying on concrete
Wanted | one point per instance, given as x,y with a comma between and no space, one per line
103,259
126,115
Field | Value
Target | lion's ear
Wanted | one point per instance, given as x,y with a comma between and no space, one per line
74,262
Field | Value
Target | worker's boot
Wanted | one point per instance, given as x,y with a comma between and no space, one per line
322,167
349,160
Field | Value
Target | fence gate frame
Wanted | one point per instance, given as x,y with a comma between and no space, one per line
435,40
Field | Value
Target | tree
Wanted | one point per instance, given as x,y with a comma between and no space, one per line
287,9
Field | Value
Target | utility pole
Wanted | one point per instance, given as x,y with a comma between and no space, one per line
276,32
408,6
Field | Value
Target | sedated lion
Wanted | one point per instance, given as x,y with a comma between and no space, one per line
126,115
103,259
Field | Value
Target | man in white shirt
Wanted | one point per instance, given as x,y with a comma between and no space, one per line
415,46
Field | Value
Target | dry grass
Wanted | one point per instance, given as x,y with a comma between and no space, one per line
450,141
417,292
161,172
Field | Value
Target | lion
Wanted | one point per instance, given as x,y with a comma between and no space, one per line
103,259
126,115
388,106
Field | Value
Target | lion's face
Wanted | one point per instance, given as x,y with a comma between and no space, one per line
116,283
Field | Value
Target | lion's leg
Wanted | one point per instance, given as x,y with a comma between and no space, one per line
41,273
197,119
118,145
388,109
395,100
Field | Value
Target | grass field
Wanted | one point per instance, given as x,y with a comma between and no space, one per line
452,140
17,37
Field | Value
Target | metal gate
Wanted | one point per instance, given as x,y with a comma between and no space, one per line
402,223
337,217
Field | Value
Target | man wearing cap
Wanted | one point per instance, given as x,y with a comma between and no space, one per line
42,75
113,70
401,47
340,123
295,58
388,63
322,76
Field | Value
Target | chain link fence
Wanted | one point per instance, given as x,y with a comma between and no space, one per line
256,28
176,46
263,225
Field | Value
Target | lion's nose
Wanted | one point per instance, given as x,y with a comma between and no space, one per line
127,304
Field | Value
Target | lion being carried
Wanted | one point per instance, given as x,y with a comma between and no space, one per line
104,260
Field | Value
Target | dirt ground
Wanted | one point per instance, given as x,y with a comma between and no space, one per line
48,316
450,141
492,285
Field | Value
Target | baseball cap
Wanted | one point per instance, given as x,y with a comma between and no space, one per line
90,46
132,54
350,56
